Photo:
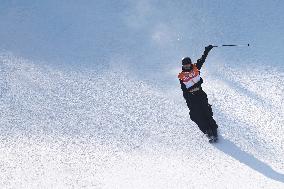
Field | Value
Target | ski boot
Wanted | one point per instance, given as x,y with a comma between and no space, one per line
212,135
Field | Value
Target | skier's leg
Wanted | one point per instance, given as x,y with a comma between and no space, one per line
208,114
201,123
201,113
213,125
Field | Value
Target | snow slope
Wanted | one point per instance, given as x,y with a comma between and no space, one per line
63,129
89,96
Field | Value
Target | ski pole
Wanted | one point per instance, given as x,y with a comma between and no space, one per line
247,45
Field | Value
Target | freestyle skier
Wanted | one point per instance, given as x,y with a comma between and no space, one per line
196,99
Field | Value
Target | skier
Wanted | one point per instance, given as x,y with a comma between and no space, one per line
196,99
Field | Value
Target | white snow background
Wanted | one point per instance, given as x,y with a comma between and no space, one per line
89,96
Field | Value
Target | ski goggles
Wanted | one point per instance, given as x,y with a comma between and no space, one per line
187,66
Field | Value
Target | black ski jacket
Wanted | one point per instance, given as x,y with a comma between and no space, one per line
199,64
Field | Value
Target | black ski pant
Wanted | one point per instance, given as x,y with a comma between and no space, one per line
201,111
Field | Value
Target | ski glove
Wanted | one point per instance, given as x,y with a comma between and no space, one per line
208,48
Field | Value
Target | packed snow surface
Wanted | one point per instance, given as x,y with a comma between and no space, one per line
89,95
104,129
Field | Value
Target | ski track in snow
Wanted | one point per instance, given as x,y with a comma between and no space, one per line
63,129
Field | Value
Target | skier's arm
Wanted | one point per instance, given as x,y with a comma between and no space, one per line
182,86
201,60
184,90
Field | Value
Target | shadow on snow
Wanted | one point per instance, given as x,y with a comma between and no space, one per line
232,150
